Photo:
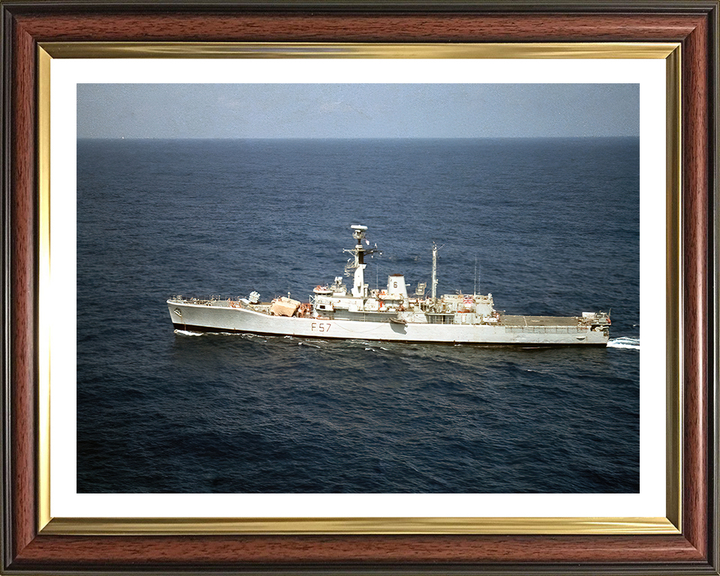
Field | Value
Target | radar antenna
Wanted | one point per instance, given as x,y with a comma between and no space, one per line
358,263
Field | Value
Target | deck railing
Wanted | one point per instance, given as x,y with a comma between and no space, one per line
547,329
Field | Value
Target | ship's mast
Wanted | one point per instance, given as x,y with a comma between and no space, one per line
476,279
359,289
434,271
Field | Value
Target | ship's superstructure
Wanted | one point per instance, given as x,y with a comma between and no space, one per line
356,312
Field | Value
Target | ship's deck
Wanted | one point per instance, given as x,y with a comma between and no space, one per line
539,321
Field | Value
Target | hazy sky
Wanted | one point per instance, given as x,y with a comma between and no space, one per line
356,110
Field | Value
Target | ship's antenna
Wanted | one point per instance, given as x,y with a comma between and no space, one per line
476,279
434,269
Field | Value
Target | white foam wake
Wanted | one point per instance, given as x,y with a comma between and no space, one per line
625,342
187,333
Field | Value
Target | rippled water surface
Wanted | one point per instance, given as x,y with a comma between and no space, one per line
553,225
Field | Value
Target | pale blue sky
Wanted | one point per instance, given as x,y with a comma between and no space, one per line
357,110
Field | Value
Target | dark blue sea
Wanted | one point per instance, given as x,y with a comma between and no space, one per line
553,225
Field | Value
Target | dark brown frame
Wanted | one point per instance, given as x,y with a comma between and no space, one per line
692,23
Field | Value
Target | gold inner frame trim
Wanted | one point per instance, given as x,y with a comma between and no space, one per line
674,294
44,292
532,525
299,526
559,50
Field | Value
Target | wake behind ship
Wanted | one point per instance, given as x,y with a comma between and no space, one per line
392,314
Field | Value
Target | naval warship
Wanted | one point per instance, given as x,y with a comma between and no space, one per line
338,311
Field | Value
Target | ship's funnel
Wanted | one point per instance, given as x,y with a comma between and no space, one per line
396,285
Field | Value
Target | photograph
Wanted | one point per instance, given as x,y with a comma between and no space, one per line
358,288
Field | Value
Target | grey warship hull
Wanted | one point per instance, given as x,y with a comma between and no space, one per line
221,317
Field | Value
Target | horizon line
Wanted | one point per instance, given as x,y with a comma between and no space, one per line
347,138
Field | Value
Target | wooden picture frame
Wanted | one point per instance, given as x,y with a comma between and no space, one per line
27,548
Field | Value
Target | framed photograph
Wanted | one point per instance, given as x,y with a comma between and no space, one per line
511,368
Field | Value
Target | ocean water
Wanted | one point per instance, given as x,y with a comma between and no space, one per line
553,225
